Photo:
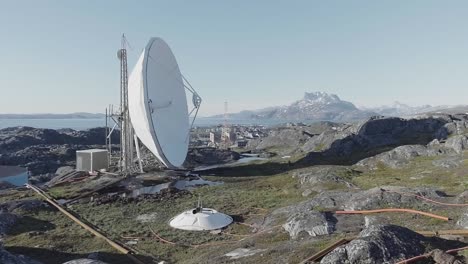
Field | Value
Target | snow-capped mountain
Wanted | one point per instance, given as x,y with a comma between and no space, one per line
313,106
320,106
401,110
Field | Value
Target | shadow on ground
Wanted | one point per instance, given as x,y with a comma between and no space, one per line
48,256
30,224
373,138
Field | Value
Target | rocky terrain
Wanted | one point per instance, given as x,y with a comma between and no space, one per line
286,208
43,151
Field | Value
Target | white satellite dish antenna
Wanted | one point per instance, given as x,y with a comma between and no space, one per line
200,219
158,104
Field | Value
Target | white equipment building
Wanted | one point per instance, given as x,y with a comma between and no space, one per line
91,160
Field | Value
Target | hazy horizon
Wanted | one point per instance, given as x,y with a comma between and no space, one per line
60,57
363,107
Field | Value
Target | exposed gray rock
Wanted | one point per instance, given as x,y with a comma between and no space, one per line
377,198
8,258
457,126
84,261
64,170
379,244
457,143
311,222
397,157
314,177
434,143
307,192
284,140
209,156
44,150
362,200
448,162
374,136
462,198
325,139
370,220
463,219
299,139
440,257
306,216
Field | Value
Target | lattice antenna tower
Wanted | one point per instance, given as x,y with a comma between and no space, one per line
126,130
121,118
225,140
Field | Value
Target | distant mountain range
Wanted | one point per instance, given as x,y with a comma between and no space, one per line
314,106
329,107
400,109
53,116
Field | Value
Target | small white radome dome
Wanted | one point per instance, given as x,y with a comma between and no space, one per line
199,219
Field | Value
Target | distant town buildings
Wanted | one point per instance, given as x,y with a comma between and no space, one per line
220,136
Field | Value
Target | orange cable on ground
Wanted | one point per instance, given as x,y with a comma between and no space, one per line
406,261
212,243
424,198
456,250
394,210
410,260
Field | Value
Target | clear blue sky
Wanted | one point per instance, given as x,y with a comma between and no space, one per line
60,56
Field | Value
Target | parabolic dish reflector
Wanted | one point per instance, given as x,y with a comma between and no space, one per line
158,104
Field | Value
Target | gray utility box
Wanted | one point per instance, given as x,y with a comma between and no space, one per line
91,159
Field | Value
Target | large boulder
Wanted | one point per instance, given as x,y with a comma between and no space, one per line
440,257
311,217
398,157
318,177
310,222
379,244
457,143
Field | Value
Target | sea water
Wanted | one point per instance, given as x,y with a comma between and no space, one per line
82,124
15,175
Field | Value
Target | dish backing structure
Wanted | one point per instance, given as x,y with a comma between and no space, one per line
158,113
157,104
